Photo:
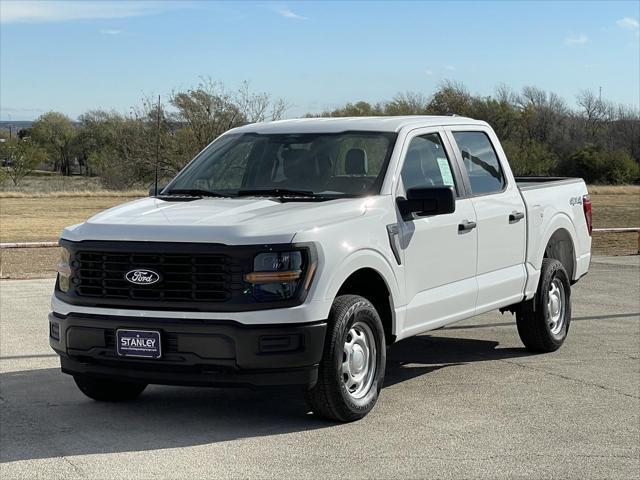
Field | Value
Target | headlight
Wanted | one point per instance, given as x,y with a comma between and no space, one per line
278,275
64,270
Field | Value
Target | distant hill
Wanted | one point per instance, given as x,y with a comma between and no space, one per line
15,124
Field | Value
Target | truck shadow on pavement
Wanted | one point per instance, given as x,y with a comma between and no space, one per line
43,415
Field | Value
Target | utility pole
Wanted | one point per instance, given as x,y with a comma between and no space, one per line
600,95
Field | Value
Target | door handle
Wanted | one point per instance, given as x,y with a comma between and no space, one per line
515,217
466,226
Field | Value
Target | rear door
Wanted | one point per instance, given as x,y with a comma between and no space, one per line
439,257
500,213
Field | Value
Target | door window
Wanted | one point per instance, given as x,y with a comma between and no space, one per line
481,162
426,164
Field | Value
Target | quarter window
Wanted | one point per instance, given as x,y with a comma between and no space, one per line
426,164
481,162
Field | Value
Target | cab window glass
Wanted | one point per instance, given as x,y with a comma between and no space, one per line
426,164
481,162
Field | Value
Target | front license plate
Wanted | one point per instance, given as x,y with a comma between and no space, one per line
138,343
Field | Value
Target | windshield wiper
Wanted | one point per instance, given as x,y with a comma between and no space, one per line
277,192
195,192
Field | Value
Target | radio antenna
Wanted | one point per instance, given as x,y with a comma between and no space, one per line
155,188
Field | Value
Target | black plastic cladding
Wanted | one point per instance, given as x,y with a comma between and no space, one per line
195,276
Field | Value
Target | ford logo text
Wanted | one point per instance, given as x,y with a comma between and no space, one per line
142,276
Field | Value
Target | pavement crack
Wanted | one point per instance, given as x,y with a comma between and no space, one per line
73,465
565,377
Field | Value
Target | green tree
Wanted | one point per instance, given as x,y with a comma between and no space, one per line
409,103
529,158
19,158
55,132
451,98
358,109
209,110
598,165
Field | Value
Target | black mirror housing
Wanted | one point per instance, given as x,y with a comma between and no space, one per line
427,201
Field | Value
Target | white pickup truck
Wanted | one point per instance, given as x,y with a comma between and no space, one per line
295,252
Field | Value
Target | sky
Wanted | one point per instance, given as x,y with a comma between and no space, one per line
73,56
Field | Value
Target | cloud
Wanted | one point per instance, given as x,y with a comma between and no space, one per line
629,23
286,13
632,26
573,40
110,31
428,72
451,68
63,11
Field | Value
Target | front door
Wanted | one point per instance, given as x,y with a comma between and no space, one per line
439,251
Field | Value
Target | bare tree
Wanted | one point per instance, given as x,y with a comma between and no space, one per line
542,114
593,111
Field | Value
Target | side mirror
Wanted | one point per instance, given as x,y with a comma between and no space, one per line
427,201
153,192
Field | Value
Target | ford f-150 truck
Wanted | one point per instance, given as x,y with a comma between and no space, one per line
295,252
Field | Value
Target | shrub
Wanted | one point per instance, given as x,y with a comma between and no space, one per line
529,158
598,165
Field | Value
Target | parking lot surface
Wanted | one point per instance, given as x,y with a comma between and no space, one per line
466,401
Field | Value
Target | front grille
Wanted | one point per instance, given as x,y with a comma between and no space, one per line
184,277
193,276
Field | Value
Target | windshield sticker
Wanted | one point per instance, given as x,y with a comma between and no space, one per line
445,172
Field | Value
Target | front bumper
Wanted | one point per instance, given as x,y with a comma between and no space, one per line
195,352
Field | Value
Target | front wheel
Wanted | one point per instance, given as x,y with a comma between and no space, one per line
351,371
543,322
106,390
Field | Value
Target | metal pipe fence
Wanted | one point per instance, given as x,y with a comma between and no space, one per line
55,244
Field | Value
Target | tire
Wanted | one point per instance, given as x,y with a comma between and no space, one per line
543,322
105,390
354,343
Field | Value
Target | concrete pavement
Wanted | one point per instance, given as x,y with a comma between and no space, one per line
462,402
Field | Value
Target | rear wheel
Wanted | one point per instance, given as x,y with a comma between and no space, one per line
543,322
106,390
352,368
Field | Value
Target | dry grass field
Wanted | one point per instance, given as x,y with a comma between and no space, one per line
615,207
32,217
28,218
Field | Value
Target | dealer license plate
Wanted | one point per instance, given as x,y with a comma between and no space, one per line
138,343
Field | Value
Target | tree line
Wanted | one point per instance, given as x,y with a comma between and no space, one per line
540,132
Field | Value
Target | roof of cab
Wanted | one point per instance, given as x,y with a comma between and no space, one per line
343,124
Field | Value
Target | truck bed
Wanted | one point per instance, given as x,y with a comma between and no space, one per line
554,204
530,183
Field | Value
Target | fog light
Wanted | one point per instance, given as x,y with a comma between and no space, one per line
54,331
280,343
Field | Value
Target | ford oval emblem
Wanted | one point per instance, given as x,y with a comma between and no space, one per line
142,276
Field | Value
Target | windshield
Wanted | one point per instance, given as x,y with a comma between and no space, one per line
321,164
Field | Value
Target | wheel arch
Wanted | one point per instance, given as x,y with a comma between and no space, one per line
558,241
368,283
367,274
560,247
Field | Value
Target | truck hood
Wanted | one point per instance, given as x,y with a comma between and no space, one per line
231,221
